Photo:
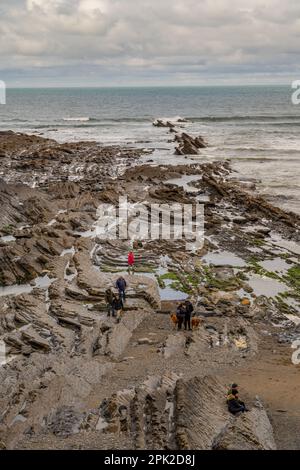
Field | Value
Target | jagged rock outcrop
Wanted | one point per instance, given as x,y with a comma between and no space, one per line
170,413
189,145
162,123
250,431
169,123
113,340
203,421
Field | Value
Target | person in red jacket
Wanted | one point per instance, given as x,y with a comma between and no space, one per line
131,262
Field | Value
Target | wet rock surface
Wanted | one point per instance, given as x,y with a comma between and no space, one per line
75,378
188,145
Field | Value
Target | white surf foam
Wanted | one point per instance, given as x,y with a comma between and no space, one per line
79,119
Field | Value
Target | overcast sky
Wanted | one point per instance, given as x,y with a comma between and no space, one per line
148,42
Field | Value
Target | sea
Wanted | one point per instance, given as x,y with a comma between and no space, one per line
255,127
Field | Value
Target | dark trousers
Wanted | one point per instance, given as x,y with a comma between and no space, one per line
180,321
110,310
243,406
236,411
187,322
239,407
122,294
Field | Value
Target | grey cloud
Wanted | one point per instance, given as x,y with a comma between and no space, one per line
141,39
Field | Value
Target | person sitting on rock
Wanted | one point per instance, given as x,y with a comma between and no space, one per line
235,405
109,297
118,306
188,313
121,286
234,387
180,313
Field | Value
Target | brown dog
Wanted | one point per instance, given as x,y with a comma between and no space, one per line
195,322
174,319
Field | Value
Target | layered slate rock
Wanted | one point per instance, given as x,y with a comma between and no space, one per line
189,145
203,421
167,412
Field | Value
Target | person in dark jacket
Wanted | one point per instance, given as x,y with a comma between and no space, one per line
121,286
118,306
109,297
180,313
188,313
235,405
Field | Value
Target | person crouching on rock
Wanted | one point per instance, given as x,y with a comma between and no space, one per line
109,298
121,286
180,313
188,313
118,306
234,387
235,405
131,262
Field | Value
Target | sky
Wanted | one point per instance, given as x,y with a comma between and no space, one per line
148,42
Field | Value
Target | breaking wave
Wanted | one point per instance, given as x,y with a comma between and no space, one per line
77,119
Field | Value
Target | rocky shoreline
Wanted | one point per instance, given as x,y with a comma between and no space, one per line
76,380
